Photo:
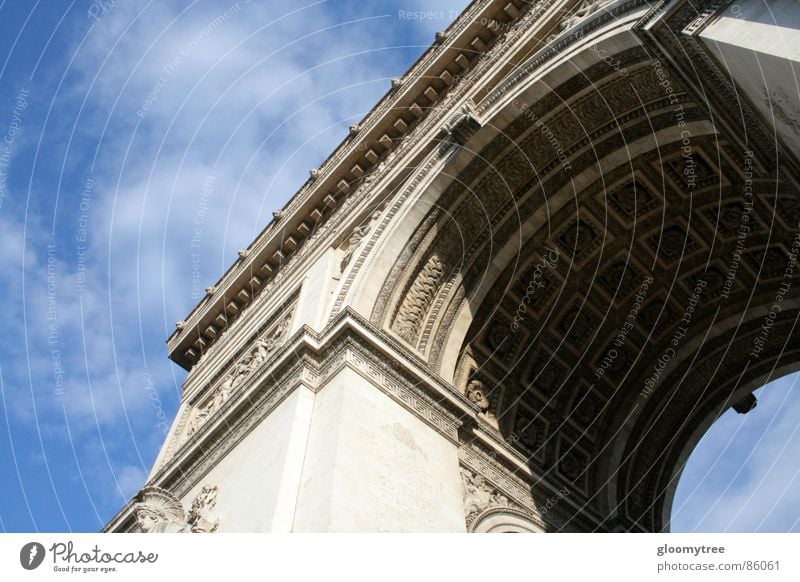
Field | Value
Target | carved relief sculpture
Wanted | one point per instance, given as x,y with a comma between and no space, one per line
202,517
241,370
479,495
419,298
476,392
358,235
461,126
584,9
159,511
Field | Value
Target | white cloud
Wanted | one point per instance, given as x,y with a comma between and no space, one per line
254,101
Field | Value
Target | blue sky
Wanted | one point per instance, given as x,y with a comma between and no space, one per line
744,475
115,115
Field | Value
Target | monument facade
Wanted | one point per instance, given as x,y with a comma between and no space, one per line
517,294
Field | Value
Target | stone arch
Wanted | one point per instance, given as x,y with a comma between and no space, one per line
503,520
696,393
743,392
416,266
623,186
508,275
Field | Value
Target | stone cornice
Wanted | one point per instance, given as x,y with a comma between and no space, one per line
557,45
670,32
531,494
308,359
365,151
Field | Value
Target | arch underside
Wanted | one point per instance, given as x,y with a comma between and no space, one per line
625,271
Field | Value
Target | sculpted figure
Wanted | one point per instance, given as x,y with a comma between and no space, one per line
227,384
477,493
259,354
221,396
202,517
197,420
476,392
373,175
277,335
241,371
356,237
159,511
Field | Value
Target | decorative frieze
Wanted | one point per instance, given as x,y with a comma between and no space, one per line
381,373
238,372
509,485
585,9
479,495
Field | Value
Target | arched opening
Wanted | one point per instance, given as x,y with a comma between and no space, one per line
604,273
744,474
503,520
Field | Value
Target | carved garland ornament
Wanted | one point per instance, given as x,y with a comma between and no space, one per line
418,299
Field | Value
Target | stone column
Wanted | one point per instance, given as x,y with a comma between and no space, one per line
372,465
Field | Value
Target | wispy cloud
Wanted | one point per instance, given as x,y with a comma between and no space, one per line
133,111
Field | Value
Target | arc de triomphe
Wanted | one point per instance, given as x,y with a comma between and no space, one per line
518,293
